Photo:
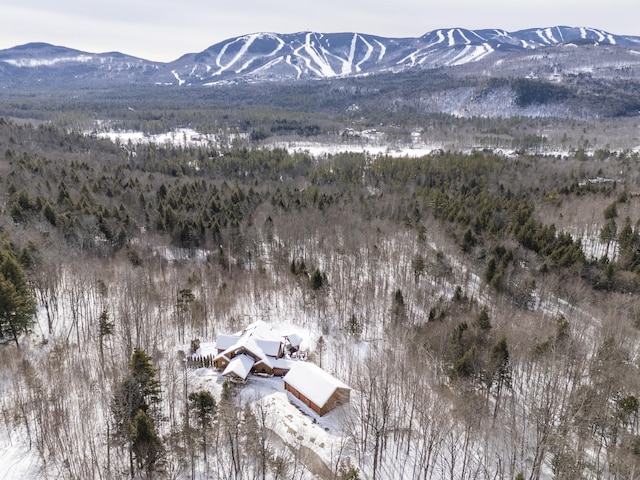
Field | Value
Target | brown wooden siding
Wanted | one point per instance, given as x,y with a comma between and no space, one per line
280,372
221,363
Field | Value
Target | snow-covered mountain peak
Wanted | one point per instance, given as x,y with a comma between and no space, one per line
269,56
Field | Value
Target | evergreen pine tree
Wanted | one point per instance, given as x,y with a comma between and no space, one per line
483,320
204,406
133,408
17,305
146,445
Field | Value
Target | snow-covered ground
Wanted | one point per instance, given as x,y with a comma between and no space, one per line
367,141
17,462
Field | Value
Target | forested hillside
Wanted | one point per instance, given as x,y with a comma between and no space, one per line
483,308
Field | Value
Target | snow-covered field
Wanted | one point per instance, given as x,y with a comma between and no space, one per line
186,137
180,137
370,143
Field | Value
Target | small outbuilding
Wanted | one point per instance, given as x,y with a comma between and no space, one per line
294,340
315,388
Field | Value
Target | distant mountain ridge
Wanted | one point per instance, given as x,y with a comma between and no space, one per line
272,57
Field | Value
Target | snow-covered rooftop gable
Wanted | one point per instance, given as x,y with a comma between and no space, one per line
313,382
265,361
246,344
240,366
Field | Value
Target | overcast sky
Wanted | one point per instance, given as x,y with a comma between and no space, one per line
163,30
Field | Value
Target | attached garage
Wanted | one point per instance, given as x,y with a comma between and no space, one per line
315,388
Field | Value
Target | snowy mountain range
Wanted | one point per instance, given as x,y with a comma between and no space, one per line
261,57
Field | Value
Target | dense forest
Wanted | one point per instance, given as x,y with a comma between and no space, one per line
483,308
447,107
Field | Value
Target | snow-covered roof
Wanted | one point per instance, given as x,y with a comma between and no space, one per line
248,345
225,341
294,339
283,363
269,347
240,366
313,382
266,361
263,331
258,339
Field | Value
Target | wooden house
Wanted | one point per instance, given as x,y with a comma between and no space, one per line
257,342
